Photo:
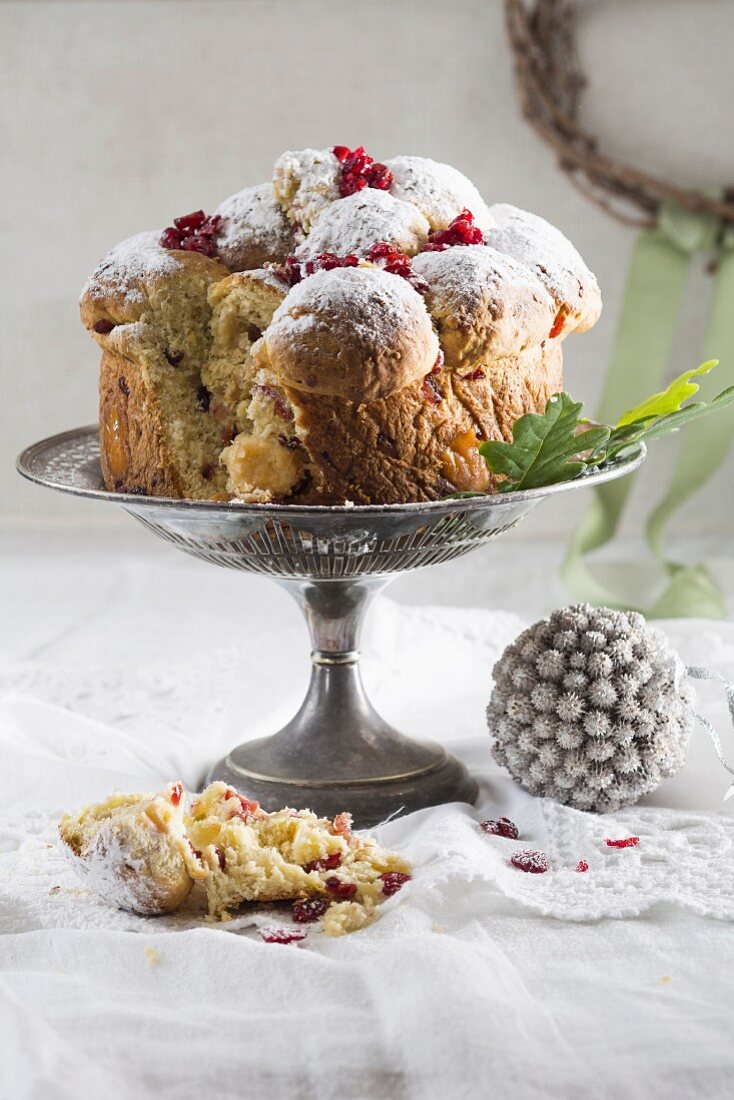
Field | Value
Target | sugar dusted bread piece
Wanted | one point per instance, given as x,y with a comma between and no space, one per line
144,854
147,307
254,230
304,182
536,243
354,224
485,305
132,850
356,333
289,855
439,191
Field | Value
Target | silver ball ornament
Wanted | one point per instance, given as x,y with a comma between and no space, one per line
590,708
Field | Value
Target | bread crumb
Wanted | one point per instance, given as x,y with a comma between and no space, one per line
152,957
666,979
55,890
438,927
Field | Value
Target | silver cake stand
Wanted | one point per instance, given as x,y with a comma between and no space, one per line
337,752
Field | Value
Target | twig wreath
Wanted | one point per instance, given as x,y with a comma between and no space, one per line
543,40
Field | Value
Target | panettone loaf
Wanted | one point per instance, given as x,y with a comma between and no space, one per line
351,332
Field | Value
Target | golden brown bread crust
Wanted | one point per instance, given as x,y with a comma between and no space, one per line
400,448
133,450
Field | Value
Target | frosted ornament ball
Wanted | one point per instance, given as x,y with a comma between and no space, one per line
590,708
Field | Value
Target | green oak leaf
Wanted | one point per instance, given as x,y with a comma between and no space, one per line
546,448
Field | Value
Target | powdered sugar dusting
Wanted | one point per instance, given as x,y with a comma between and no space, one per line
378,306
544,249
255,231
486,292
108,867
130,264
438,190
305,182
353,224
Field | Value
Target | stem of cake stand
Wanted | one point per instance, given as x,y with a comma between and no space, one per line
337,753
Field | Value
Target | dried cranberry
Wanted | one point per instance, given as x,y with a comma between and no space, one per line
170,238
557,326
282,935
359,170
327,261
192,233
189,222
281,406
247,806
395,262
290,270
173,357
392,881
378,176
253,333
461,230
534,863
203,398
123,386
431,391
582,865
339,888
196,851
474,375
310,910
103,327
289,442
199,243
627,842
221,860
176,794
500,827
328,863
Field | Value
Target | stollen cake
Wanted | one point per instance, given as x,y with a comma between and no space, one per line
351,331
145,853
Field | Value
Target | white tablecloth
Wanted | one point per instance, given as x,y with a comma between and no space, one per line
121,671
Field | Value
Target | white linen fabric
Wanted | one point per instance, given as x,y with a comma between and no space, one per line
477,979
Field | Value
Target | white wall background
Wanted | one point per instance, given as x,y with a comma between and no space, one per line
119,114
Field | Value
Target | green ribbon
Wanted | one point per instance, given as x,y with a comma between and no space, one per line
656,284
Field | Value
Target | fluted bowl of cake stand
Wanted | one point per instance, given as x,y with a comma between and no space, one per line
337,752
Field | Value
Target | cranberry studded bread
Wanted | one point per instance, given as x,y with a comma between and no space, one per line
144,853
351,332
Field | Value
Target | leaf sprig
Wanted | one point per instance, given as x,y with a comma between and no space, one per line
559,445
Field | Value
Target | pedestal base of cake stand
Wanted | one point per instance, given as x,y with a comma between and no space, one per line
337,753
